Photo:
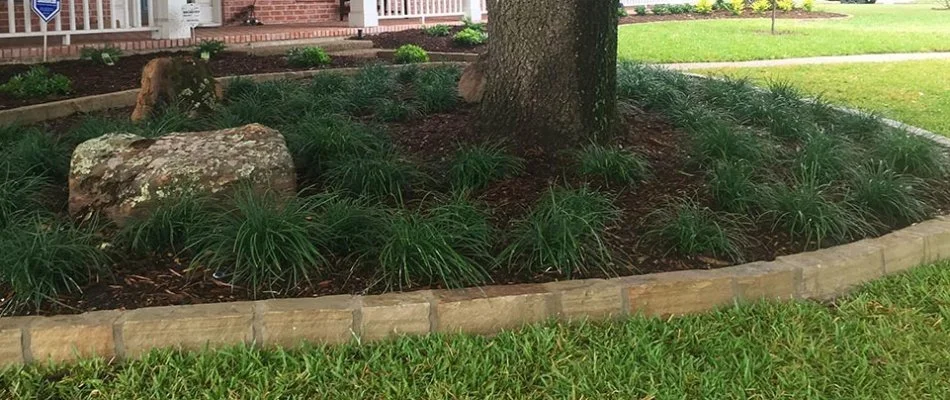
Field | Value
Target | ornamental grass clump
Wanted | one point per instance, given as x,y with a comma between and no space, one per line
687,228
475,167
613,165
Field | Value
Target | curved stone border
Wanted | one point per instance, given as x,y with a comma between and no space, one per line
335,319
126,98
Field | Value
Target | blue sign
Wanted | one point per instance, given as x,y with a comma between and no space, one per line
46,9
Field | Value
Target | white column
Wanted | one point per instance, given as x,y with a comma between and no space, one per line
472,9
363,13
169,19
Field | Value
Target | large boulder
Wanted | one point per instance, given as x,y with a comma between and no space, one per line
185,82
121,174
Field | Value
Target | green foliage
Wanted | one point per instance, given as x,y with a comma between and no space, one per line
827,156
447,245
410,54
93,126
910,154
474,167
316,143
722,142
470,37
809,5
704,6
736,7
37,82
210,47
436,89
263,241
785,5
379,175
41,259
640,10
37,153
613,164
373,82
564,232
661,9
468,24
353,226
895,199
687,228
681,8
20,193
761,6
812,211
733,186
307,57
720,5
438,30
170,226
108,55
621,10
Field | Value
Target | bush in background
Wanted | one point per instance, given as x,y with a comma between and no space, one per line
410,54
308,57
704,6
470,37
108,55
37,82
438,30
210,47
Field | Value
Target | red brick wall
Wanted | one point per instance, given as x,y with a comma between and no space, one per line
285,11
63,15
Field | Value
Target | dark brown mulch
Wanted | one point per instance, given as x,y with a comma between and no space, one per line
89,78
392,40
159,280
722,14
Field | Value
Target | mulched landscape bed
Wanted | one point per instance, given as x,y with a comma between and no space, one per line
722,14
90,78
443,44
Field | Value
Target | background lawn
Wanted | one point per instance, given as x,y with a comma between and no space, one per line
914,92
872,29
889,341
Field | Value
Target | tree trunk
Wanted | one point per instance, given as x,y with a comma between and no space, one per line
774,6
552,71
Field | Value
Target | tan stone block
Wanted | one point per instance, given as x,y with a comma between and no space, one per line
290,322
69,337
11,341
766,280
591,298
492,308
834,271
902,251
186,327
677,293
936,234
395,314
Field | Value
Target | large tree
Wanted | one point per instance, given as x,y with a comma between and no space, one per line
551,70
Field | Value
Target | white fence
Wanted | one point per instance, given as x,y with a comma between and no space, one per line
78,17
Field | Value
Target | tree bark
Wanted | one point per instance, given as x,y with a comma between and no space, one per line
552,71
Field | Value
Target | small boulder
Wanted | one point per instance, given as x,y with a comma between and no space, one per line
186,82
121,174
472,82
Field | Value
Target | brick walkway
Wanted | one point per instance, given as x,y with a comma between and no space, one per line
863,58
30,49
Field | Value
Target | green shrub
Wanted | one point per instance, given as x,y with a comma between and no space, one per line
861,127
438,30
38,154
564,232
704,6
640,10
785,5
316,142
378,175
720,5
827,156
761,6
448,245
721,142
811,211
468,24
371,83
809,5
736,7
733,187
108,55
308,57
42,258
684,227
171,225
678,9
436,89
613,164
394,110
410,54
210,47
265,242
910,154
621,10
474,167
470,37
353,226
894,199
660,9
37,82
19,193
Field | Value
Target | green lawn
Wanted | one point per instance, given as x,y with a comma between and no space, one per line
872,29
914,92
889,341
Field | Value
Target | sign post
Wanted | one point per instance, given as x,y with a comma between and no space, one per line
46,10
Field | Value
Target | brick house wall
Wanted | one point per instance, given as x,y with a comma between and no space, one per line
63,15
285,11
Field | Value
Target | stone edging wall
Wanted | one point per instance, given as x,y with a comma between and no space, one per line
335,319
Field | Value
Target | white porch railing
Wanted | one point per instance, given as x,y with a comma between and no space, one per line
393,9
78,17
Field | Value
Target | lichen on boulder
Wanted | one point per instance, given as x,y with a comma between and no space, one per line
121,175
